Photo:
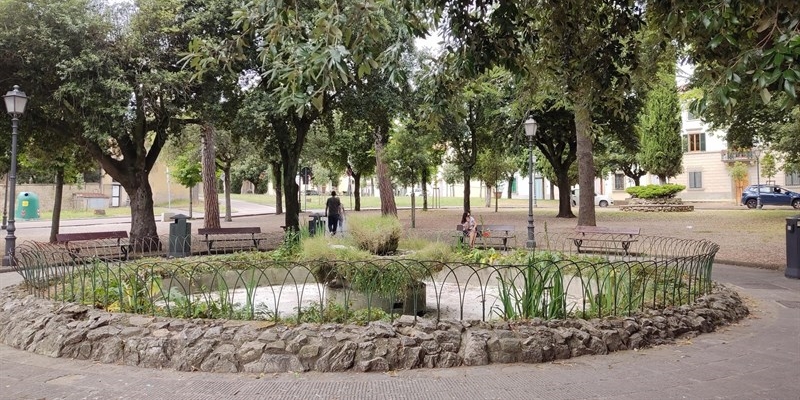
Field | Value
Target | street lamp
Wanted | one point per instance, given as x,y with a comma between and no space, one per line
530,132
15,104
757,154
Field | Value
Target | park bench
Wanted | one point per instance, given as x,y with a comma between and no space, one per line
243,238
491,235
604,239
111,245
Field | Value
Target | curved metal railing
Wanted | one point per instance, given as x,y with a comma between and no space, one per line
553,282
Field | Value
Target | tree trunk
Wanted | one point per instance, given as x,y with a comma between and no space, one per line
564,201
424,191
388,205
209,164
586,170
467,190
511,180
277,179
227,182
144,235
291,189
59,195
357,190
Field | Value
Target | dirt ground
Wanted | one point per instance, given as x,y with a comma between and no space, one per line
754,238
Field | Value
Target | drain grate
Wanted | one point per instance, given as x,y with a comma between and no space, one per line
789,304
759,285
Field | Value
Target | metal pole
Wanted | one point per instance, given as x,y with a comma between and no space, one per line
11,240
758,180
5,206
531,243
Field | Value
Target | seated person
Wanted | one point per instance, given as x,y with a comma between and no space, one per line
469,228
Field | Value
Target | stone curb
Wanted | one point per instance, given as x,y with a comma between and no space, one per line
69,330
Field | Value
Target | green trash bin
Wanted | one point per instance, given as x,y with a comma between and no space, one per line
27,206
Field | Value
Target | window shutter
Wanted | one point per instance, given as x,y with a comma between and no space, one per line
685,143
702,142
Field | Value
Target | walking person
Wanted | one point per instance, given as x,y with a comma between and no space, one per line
333,209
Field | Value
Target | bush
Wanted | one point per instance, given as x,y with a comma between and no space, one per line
378,235
655,191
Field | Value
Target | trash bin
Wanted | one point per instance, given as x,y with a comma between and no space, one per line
180,237
793,247
315,224
27,206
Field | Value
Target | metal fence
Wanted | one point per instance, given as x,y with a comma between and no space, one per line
554,282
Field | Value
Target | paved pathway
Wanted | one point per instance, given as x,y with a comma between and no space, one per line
756,359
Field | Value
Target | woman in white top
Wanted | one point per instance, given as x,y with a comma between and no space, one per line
469,227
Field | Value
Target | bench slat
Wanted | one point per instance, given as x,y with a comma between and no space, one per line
607,230
217,235
73,237
229,231
581,236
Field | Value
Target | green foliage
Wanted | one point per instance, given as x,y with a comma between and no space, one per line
613,289
655,191
768,167
378,235
435,251
660,127
535,291
738,172
187,171
339,314
737,47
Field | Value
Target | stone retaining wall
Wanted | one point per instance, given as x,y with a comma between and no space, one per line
657,205
69,330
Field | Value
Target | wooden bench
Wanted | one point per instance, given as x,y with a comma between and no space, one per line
231,235
601,235
491,235
96,241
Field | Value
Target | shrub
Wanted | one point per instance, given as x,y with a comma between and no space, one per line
376,234
668,190
436,251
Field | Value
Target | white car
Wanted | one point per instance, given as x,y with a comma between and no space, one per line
600,200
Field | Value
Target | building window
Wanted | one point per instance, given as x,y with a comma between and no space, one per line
694,142
619,181
695,180
793,179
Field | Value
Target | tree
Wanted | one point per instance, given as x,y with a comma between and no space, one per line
768,167
470,114
188,172
492,168
32,44
589,46
305,53
126,88
660,127
556,140
749,47
230,148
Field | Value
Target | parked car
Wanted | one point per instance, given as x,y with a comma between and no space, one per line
600,200
417,192
771,195
312,192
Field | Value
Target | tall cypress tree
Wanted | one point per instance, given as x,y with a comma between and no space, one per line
660,127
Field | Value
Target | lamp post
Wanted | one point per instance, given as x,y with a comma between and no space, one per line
530,132
757,153
15,104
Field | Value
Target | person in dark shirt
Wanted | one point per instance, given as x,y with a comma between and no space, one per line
333,210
